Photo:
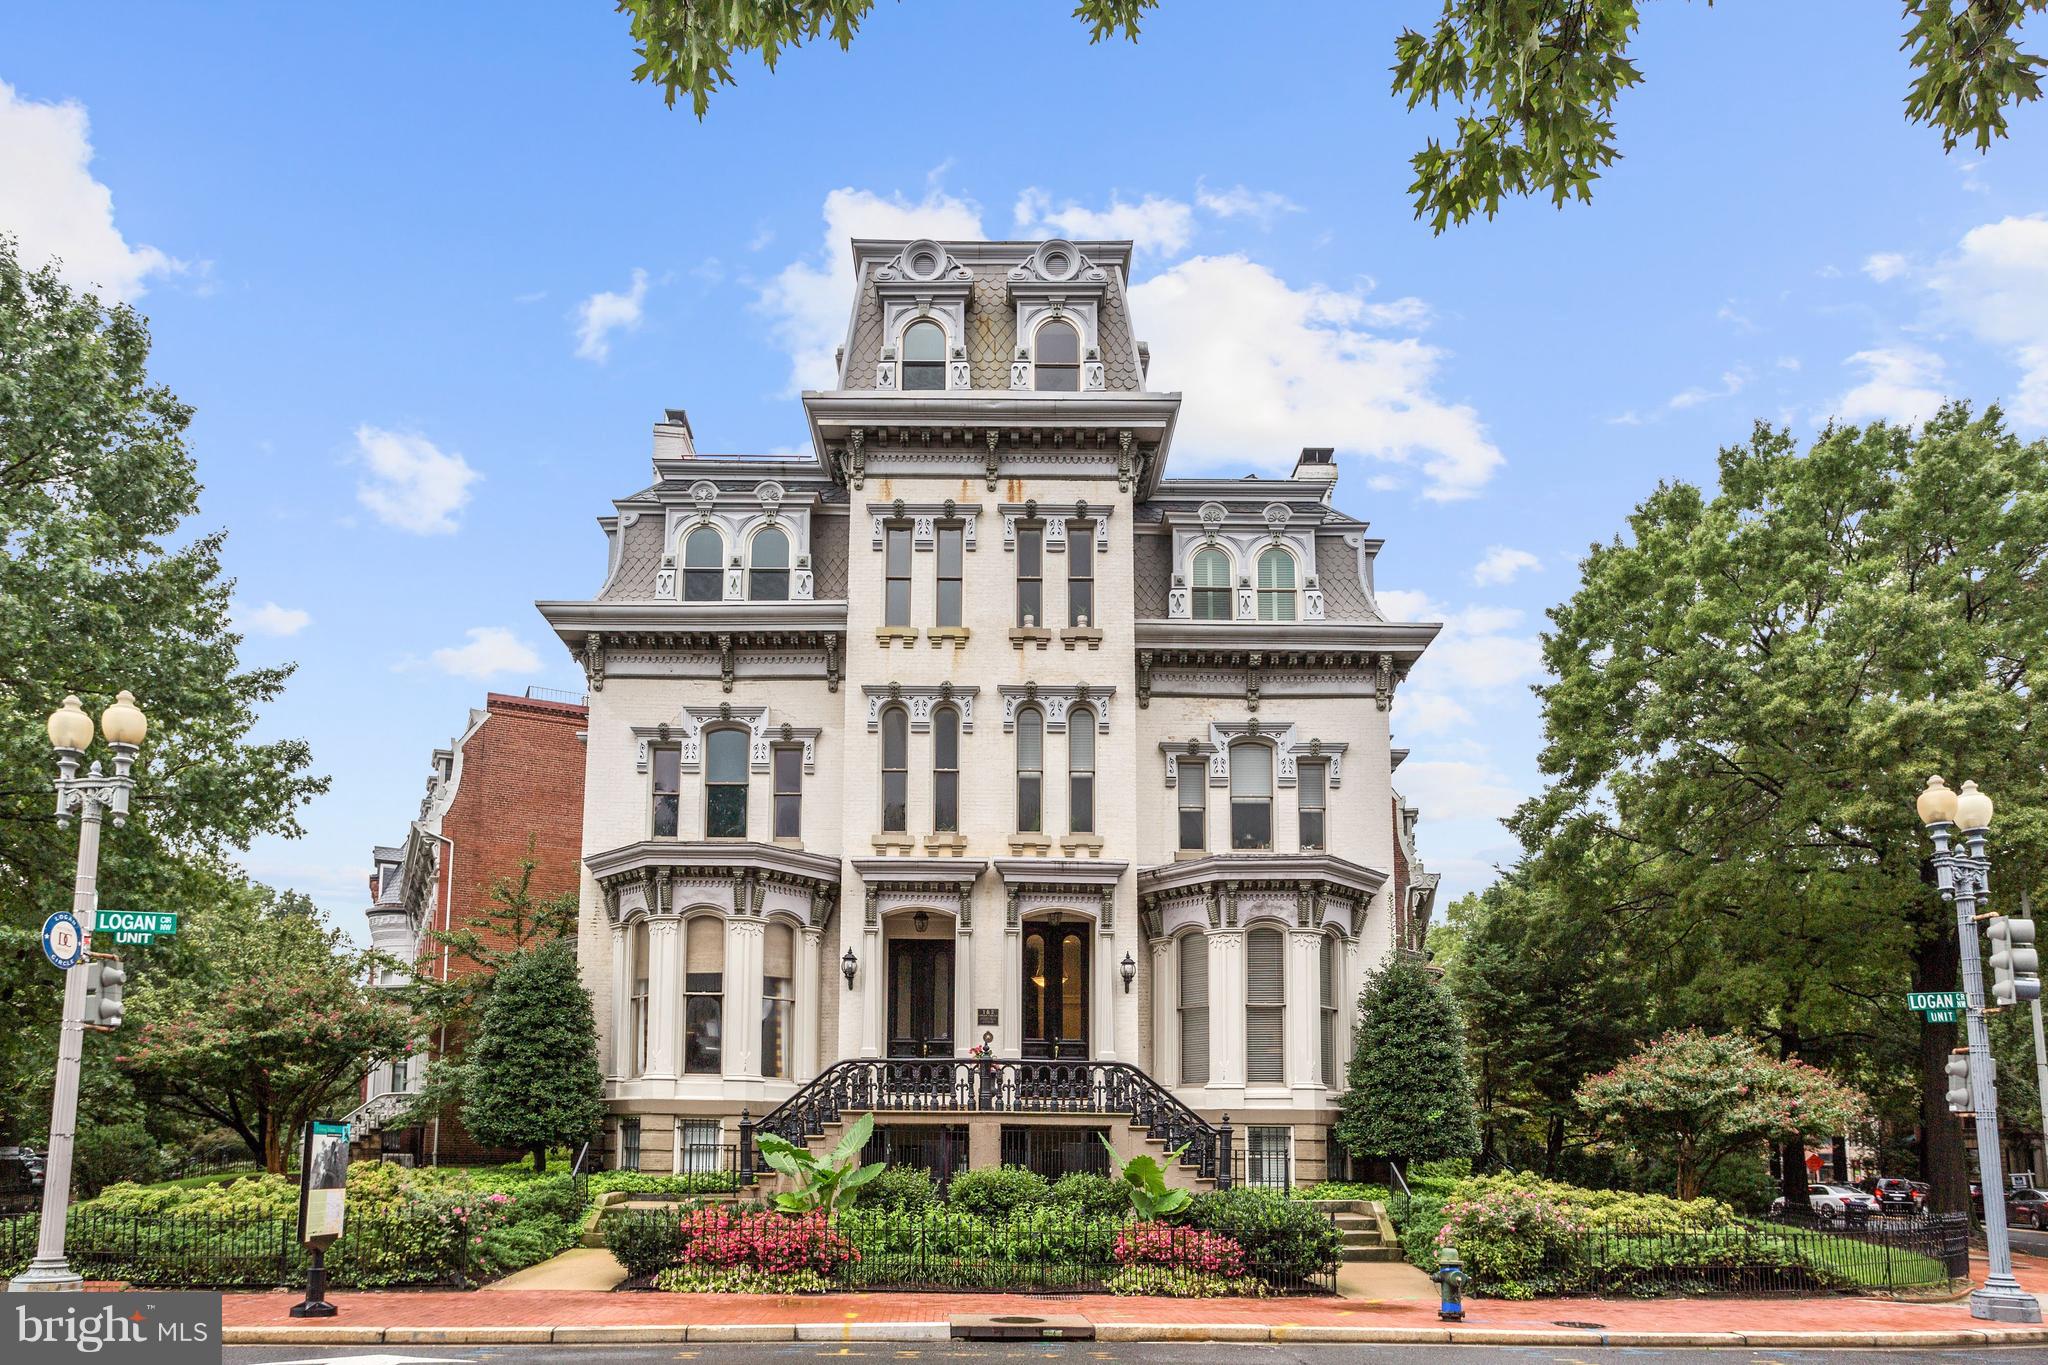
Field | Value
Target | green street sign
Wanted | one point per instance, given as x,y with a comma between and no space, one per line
1941,1016
139,927
1937,1000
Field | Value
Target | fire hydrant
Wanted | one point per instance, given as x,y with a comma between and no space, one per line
1451,1279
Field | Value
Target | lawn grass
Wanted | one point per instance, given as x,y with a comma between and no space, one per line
193,1182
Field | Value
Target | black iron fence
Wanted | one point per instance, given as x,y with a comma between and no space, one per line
187,1251
1262,1169
1755,1258
1038,1250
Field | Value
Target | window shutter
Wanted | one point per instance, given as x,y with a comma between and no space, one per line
1081,741
1265,988
1194,1010
777,954
1276,570
1310,780
1029,740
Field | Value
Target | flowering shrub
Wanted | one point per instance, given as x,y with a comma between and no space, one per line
1181,1248
698,1279
1510,1239
760,1241
1181,1283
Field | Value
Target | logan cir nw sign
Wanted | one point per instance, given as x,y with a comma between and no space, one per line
134,926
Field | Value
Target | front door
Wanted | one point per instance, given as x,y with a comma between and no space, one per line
920,998
1056,990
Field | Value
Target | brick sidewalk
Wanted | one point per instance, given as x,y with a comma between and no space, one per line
1752,1319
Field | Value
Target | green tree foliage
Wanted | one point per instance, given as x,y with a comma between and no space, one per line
1748,692
271,1027
1410,1098
1532,83
104,586
531,1079
1697,1099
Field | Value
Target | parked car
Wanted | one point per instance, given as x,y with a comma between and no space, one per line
1833,1204
2026,1206
1898,1198
21,1184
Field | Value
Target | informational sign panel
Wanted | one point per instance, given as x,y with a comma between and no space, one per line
323,1183
135,926
63,942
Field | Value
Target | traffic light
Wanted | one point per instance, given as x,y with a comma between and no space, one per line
103,982
2015,962
1958,1069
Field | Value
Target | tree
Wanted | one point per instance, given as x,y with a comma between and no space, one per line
1746,695
103,586
1697,1099
1410,1098
531,1078
273,1027
1534,81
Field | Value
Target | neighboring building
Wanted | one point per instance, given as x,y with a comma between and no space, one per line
969,724
512,781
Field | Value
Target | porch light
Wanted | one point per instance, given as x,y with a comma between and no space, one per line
921,921
849,965
1130,971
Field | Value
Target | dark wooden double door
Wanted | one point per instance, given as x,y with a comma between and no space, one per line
1055,995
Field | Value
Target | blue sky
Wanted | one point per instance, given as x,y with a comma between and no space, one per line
428,280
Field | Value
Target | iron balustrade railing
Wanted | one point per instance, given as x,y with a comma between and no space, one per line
198,1251
953,1085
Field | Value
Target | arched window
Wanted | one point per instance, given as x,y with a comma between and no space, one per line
703,995
1265,1008
1212,585
1030,770
946,771
924,356
768,575
895,769
1193,951
1251,795
1276,585
1326,1037
1056,357
778,998
725,784
1081,770
703,567
636,1008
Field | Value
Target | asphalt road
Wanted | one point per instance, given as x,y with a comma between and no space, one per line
1099,1353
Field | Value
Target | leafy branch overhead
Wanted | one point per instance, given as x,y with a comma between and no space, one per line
1532,83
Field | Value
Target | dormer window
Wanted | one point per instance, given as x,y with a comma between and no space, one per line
1056,358
924,356
1276,585
703,573
768,576
1212,585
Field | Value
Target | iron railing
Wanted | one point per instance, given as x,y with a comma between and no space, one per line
950,1085
194,1251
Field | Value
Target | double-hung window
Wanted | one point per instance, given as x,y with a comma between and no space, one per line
896,570
1080,573
950,540
768,575
1251,796
725,784
1311,784
1326,1037
703,995
945,771
1056,358
778,999
1265,1007
1212,585
668,787
1030,770
703,569
895,769
1030,575
788,765
1193,952
1192,782
1081,771
1276,586
924,356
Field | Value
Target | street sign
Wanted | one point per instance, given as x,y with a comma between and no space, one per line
140,927
1939,1016
63,943
1927,1000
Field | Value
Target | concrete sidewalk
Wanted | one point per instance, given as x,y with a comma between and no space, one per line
580,1316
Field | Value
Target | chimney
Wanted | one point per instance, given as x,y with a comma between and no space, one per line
673,439
1318,464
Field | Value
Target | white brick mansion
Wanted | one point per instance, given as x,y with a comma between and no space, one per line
971,728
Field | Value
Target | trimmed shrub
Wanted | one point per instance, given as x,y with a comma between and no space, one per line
1284,1240
997,1191
644,1243
1341,1189
898,1187
1094,1195
702,1279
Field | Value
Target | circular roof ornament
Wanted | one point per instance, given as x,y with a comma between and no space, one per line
924,259
1057,259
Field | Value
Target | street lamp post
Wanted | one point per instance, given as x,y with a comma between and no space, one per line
1964,877
89,799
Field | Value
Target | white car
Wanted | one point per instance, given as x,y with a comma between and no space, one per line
1833,1203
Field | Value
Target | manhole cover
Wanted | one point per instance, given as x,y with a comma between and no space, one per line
1022,1327
1583,1326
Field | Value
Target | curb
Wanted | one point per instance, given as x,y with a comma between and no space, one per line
640,1333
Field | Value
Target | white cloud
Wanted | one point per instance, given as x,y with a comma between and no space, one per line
1502,563
1427,713
1262,206
268,618
412,484
1732,382
1151,224
1996,284
491,650
52,205
1268,368
1898,385
1884,266
603,313
1734,317
1452,789
808,302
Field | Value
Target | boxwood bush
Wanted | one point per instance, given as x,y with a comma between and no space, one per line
898,1187
997,1191
1092,1194
1285,1240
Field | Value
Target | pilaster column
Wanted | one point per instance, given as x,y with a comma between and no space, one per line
1108,984
1010,1037
873,989
1350,980
965,1034
621,1001
1303,1020
810,1010
1165,1066
664,996
1226,1008
743,999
